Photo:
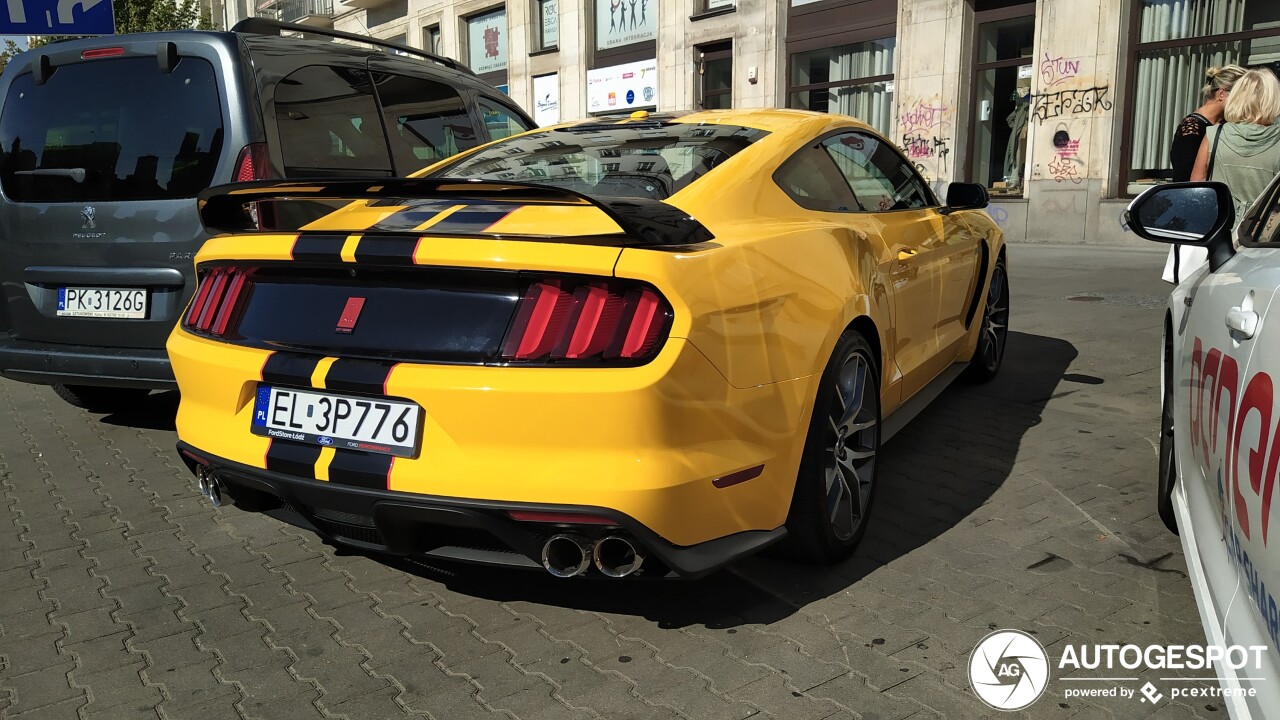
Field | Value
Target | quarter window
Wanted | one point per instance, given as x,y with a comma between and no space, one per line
881,180
426,121
814,182
500,121
328,123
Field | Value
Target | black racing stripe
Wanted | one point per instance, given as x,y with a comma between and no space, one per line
319,247
359,468
413,215
362,376
284,368
386,249
468,221
293,458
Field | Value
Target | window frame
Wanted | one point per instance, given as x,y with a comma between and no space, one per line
867,34
432,39
1137,47
537,37
304,171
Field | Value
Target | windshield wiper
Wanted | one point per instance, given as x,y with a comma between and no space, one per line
76,174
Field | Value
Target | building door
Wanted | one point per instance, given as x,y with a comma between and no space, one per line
1001,92
715,76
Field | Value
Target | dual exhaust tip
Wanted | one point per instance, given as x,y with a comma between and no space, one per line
570,554
209,485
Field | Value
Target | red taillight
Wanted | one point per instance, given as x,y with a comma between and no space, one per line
101,53
216,300
254,163
597,320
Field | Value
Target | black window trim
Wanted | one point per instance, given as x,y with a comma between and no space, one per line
817,142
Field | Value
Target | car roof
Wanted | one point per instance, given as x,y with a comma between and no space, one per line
272,49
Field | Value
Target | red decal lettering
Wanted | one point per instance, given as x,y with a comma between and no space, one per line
1258,395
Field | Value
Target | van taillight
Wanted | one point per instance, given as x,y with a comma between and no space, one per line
559,319
218,298
254,163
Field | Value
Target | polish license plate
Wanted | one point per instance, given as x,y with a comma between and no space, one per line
102,302
376,425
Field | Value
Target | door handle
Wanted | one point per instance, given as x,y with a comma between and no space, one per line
906,253
1242,321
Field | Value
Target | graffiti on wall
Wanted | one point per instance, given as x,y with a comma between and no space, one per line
1079,101
1057,70
925,125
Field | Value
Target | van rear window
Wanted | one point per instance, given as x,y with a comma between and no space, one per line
108,130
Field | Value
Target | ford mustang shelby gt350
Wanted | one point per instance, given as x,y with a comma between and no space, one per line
656,342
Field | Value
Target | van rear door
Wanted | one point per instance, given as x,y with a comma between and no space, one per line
103,153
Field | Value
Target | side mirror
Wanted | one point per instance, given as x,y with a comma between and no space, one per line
1199,213
966,196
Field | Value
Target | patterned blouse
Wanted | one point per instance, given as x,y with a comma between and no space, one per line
1186,145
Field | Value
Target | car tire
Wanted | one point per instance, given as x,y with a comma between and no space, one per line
1168,469
994,334
105,399
826,520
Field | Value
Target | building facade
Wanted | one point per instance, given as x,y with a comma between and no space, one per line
1064,109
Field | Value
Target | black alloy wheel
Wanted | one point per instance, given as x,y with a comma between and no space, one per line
837,476
995,327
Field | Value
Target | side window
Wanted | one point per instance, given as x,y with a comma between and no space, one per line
813,181
328,123
880,178
427,121
501,122
1267,225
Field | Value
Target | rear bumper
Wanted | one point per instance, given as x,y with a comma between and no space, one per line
477,531
53,363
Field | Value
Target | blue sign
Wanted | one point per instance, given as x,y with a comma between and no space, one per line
56,17
631,97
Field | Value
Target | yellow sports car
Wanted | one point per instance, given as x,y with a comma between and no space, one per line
650,344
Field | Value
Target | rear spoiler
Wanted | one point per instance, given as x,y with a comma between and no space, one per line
643,222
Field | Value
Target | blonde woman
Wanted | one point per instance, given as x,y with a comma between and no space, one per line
1244,152
1191,131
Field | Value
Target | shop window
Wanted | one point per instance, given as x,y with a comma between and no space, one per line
1002,75
625,22
487,46
855,79
1174,42
715,75
546,25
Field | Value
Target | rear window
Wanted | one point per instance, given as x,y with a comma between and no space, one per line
649,160
111,130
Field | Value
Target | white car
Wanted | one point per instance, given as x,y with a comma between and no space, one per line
1219,483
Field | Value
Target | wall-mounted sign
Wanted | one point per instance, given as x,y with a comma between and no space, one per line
623,87
546,99
487,41
624,22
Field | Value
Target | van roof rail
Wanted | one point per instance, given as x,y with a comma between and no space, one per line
266,26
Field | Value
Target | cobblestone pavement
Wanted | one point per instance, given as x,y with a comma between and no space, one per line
1026,503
